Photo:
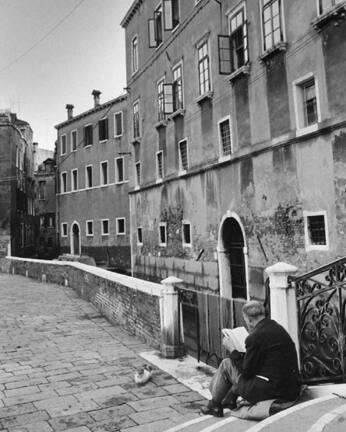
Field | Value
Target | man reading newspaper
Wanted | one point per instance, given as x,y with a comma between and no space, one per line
267,370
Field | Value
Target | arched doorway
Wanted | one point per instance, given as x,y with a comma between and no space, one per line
75,239
232,253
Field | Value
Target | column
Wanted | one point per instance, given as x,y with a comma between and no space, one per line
172,345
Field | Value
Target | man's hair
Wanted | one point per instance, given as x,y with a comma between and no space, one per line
253,309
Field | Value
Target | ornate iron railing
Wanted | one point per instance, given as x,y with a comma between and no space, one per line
321,306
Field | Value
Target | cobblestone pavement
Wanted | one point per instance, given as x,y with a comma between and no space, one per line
65,367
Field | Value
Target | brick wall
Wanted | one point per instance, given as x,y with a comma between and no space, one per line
130,302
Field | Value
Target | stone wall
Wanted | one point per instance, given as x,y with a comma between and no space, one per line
130,302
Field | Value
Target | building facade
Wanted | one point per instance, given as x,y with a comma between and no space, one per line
17,192
237,126
45,210
92,199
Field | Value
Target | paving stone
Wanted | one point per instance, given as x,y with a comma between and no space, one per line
175,388
148,404
112,425
24,419
21,391
110,413
25,383
71,421
78,429
158,426
152,415
29,398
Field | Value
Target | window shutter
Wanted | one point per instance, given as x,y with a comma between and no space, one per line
151,33
168,98
225,55
168,14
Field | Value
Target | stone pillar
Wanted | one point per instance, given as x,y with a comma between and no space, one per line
9,249
283,303
171,344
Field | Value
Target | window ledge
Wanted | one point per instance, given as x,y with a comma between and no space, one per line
205,96
136,188
177,113
88,146
159,180
118,136
103,141
336,13
224,158
306,130
279,47
161,123
136,140
244,70
182,173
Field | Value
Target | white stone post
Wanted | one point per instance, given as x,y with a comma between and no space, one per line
171,343
9,249
283,303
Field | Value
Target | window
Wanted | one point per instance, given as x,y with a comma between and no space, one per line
159,165
89,228
88,176
163,234
119,170
64,229
310,102
225,137
88,135
178,100
155,28
41,221
74,178
120,226
74,143
306,103
316,233
139,235
103,129
136,129
134,54
183,156
272,23
138,173
63,144
171,13
203,68
118,124
325,5
63,182
51,221
49,242
186,232
238,39
41,190
104,172
160,101
105,226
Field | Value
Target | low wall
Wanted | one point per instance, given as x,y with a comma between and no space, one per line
130,302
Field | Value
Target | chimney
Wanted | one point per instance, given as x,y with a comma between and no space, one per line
96,94
69,108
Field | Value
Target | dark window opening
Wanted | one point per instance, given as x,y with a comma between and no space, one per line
317,230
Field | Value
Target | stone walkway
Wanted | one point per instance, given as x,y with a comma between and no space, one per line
64,367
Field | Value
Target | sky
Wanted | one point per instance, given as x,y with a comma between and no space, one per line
55,52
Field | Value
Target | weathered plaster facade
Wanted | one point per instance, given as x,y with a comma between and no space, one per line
86,202
45,209
284,167
17,224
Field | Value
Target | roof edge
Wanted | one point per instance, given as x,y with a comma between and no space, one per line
129,14
94,109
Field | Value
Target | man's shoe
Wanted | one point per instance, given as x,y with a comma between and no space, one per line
213,408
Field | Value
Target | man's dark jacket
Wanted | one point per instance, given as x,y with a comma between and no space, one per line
270,353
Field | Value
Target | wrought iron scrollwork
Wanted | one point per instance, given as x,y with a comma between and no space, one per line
321,301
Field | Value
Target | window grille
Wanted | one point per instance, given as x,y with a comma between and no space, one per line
317,231
225,137
183,156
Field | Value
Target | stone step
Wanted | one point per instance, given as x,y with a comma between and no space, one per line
311,416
